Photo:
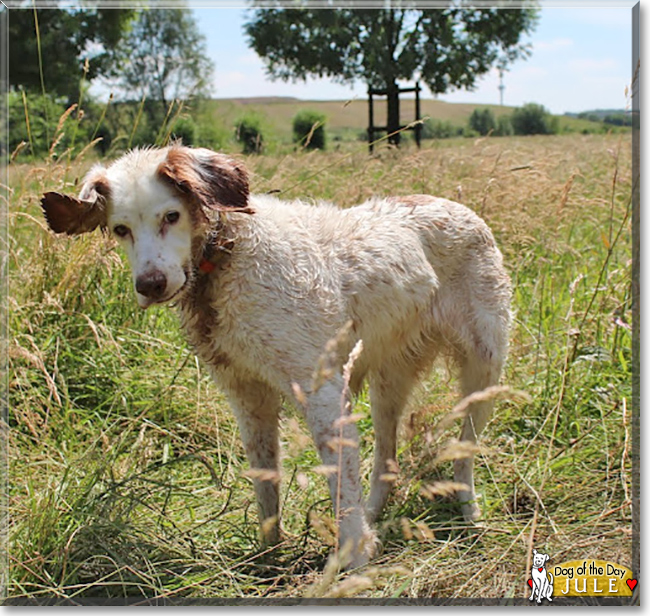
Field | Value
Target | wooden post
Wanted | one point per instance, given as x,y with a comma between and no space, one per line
392,114
371,122
418,127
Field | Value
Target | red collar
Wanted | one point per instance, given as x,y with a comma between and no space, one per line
213,255
206,266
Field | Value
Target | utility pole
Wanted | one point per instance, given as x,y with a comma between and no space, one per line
501,85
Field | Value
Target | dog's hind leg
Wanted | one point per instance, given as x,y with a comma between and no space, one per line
389,390
479,370
257,408
338,445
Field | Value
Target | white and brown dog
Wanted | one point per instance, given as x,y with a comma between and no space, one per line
263,284
541,585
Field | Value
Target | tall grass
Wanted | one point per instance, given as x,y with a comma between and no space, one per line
126,474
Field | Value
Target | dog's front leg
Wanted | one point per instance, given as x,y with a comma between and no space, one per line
338,445
257,408
535,589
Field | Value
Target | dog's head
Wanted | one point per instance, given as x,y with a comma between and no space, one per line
539,559
159,204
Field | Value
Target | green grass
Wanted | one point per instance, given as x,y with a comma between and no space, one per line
125,466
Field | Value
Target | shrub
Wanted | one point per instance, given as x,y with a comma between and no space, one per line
504,127
309,129
52,126
618,119
106,135
482,121
533,119
439,129
248,132
212,134
186,130
36,125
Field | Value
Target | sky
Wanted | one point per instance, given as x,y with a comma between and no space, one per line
581,59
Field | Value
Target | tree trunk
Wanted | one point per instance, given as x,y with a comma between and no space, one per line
392,114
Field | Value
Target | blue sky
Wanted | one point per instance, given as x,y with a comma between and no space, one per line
581,59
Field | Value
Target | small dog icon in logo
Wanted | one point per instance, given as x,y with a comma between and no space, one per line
541,584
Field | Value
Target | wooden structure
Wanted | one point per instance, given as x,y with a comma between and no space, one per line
372,129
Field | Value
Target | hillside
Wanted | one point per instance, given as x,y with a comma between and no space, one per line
343,117
349,119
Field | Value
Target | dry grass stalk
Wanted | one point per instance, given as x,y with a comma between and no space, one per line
460,410
343,442
457,450
351,586
423,532
405,525
330,361
269,525
326,470
324,527
299,394
262,474
442,488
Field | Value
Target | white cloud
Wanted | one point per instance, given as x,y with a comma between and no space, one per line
592,65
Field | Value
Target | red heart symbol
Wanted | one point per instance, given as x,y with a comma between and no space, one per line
631,583
530,583
541,569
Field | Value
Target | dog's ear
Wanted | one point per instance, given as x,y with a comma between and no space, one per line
214,181
75,215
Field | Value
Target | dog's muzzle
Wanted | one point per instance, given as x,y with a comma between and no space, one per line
152,285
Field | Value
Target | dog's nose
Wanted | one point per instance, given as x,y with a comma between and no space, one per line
152,284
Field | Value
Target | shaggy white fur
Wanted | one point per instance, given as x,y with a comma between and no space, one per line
263,285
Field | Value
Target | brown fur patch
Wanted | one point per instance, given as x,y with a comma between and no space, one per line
212,180
67,214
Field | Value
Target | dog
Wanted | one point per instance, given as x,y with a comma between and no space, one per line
541,582
262,284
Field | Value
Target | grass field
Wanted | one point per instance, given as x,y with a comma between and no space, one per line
125,466
348,119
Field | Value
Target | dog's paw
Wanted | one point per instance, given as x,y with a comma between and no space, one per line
471,512
354,554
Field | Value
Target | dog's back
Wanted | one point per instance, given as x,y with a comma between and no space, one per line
416,275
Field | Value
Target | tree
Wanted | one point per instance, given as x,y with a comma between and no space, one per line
67,39
533,119
309,129
163,58
447,48
482,121
249,132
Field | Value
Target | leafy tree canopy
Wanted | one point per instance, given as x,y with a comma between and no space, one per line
446,48
163,57
68,38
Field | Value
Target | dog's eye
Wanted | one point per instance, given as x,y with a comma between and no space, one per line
172,217
121,230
